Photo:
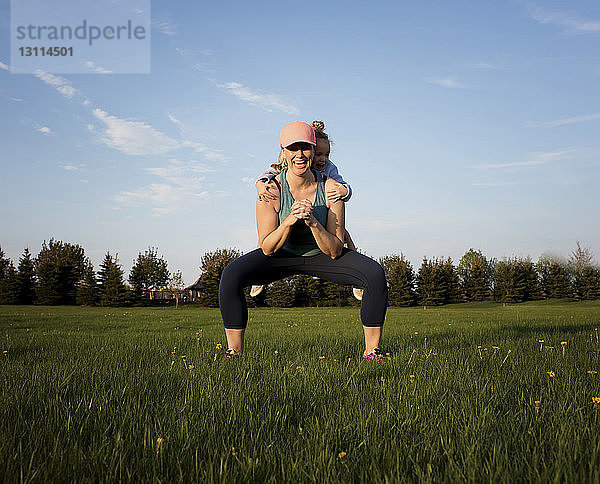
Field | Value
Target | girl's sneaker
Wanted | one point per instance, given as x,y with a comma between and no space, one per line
376,354
256,290
358,293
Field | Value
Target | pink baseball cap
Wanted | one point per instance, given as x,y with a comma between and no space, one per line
297,131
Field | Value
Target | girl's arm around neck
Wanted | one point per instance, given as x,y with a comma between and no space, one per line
332,172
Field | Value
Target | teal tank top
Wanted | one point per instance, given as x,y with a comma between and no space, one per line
301,240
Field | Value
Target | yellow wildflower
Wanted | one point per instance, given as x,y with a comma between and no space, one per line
321,357
592,372
159,443
341,455
190,367
563,343
551,374
219,346
596,400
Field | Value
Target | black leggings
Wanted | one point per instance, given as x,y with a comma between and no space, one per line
349,268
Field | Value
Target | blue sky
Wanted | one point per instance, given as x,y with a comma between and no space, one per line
458,124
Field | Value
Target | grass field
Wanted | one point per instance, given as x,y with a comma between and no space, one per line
473,392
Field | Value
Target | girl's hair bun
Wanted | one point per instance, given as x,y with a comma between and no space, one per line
318,126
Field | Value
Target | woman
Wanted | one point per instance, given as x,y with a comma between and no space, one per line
301,232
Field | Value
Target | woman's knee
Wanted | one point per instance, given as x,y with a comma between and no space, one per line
375,276
230,277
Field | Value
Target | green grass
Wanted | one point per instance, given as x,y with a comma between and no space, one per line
86,392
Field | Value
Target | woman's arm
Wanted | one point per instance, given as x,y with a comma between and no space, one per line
271,235
329,239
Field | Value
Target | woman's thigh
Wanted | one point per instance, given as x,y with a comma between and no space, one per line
257,268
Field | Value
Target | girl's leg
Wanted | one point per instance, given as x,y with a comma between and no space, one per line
348,242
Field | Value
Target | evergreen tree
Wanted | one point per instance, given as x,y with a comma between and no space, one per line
589,283
583,272
6,275
530,277
453,293
509,281
26,278
281,293
112,290
330,294
400,280
554,277
306,291
431,286
4,263
212,265
476,274
9,285
87,291
149,272
59,268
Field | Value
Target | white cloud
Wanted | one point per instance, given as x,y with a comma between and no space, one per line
449,82
164,26
70,167
98,69
44,130
176,121
565,121
182,173
568,22
266,101
4,66
488,66
536,159
181,185
248,181
17,99
134,137
61,84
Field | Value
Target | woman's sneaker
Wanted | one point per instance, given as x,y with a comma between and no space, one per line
231,353
256,290
376,354
358,293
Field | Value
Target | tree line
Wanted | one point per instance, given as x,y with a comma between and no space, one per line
61,273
